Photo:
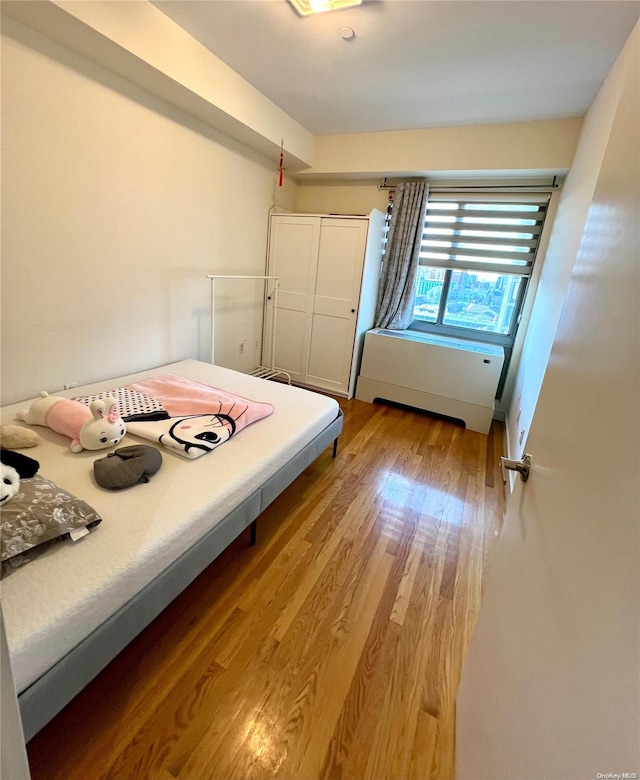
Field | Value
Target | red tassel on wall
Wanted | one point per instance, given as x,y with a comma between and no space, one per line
281,166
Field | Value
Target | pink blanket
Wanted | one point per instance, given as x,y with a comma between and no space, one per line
185,416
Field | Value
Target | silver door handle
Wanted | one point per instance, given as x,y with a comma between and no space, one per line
523,467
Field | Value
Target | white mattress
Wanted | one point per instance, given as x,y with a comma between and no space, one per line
61,597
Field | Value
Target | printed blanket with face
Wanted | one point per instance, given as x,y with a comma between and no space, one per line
184,416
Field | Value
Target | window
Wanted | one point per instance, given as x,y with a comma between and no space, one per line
475,261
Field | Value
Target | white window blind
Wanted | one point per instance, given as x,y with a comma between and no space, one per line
490,235
476,255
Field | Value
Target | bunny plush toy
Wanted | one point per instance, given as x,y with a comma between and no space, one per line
93,427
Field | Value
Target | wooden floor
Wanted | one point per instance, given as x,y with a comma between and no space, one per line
332,649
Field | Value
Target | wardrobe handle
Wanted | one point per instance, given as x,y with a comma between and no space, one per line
353,311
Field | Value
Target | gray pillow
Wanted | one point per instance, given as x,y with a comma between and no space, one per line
40,514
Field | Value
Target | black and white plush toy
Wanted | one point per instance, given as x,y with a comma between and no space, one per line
14,466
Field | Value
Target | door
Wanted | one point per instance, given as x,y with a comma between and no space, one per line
551,687
335,306
293,256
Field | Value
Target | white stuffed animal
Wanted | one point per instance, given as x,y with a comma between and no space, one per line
14,466
10,483
93,427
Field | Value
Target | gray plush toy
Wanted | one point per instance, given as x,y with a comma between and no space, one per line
127,466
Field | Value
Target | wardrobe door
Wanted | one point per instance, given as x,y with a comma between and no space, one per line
335,305
293,254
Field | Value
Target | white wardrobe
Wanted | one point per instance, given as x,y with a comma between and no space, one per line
329,269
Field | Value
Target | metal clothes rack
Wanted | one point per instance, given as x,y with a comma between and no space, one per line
264,372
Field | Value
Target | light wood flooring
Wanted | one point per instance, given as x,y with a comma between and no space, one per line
332,649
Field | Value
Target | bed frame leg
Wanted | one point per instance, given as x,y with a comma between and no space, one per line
254,532
335,447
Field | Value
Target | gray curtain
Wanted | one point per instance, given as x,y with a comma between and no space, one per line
400,267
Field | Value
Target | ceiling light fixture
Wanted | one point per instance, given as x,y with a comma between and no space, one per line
306,7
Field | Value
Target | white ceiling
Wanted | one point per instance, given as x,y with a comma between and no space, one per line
416,63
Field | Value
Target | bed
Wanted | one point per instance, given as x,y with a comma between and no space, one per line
73,609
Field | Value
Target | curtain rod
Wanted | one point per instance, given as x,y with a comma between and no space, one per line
460,187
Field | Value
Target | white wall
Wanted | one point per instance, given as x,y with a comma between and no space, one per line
340,197
137,41
520,148
560,256
115,206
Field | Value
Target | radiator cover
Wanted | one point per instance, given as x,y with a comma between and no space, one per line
449,376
